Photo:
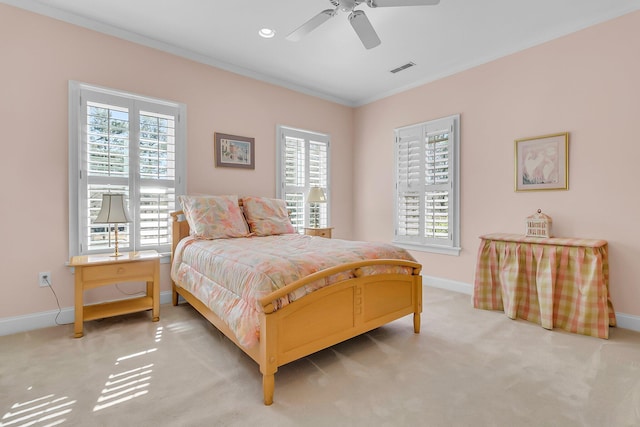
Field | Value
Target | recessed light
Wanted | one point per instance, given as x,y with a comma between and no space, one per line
267,33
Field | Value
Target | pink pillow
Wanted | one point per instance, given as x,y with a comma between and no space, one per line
214,217
267,217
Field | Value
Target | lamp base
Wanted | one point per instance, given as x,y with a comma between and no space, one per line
116,252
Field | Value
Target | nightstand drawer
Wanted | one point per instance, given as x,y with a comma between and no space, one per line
320,232
323,233
119,271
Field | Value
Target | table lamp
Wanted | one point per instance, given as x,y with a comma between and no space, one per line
113,211
315,196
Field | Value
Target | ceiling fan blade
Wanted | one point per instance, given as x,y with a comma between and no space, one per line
310,25
364,29
392,3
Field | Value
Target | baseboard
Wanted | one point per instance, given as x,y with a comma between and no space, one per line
45,319
30,322
450,285
625,321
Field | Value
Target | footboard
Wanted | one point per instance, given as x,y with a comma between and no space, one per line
335,313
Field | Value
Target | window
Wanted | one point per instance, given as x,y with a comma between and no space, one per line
123,143
427,186
303,162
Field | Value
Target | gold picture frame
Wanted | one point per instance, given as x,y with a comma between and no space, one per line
542,162
234,151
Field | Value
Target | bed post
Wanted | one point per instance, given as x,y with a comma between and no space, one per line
268,357
417,289
179,230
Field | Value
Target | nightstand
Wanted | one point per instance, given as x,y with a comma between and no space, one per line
92,271
317,231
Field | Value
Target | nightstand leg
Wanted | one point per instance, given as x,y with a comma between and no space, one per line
154,287
79,312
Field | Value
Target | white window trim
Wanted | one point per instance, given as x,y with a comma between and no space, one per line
281,133
454,247
75,147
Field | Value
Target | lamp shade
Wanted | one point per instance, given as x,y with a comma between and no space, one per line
113,210
316,195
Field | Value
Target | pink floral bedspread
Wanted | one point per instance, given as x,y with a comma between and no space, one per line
231,275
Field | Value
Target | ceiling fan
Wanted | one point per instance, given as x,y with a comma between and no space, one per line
357,18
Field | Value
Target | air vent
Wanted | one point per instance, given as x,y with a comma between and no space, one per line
403,67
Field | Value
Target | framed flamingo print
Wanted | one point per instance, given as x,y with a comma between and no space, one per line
542,163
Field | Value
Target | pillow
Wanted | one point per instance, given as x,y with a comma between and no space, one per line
267,217
214,217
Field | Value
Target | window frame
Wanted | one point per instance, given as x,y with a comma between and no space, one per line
421,131
79,95
282,132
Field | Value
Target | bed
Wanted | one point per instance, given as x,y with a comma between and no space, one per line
304,307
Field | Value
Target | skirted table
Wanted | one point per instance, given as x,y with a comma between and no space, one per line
555,282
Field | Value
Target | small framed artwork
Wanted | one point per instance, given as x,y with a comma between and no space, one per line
234,151
542,162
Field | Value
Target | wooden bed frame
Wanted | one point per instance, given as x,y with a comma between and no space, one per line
322,318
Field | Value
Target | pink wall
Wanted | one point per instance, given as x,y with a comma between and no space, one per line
39,57
588,84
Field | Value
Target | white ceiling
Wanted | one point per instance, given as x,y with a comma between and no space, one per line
331,61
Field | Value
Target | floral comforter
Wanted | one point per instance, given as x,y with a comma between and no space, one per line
231,275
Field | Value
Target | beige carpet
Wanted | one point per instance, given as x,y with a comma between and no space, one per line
467,368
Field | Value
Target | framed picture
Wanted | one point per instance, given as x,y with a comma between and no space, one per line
542,162
234,151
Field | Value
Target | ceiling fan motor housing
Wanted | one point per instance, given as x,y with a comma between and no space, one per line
346,5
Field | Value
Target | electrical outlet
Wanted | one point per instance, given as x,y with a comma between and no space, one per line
44,279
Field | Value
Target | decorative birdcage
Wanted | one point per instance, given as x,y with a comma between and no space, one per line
539,225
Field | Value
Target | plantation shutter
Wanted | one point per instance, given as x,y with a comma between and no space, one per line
294,170
157,194
304,160
125,144
408,185
437,183
426,188
107,170
318,156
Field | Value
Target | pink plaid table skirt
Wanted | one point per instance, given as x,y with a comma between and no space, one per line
555,282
